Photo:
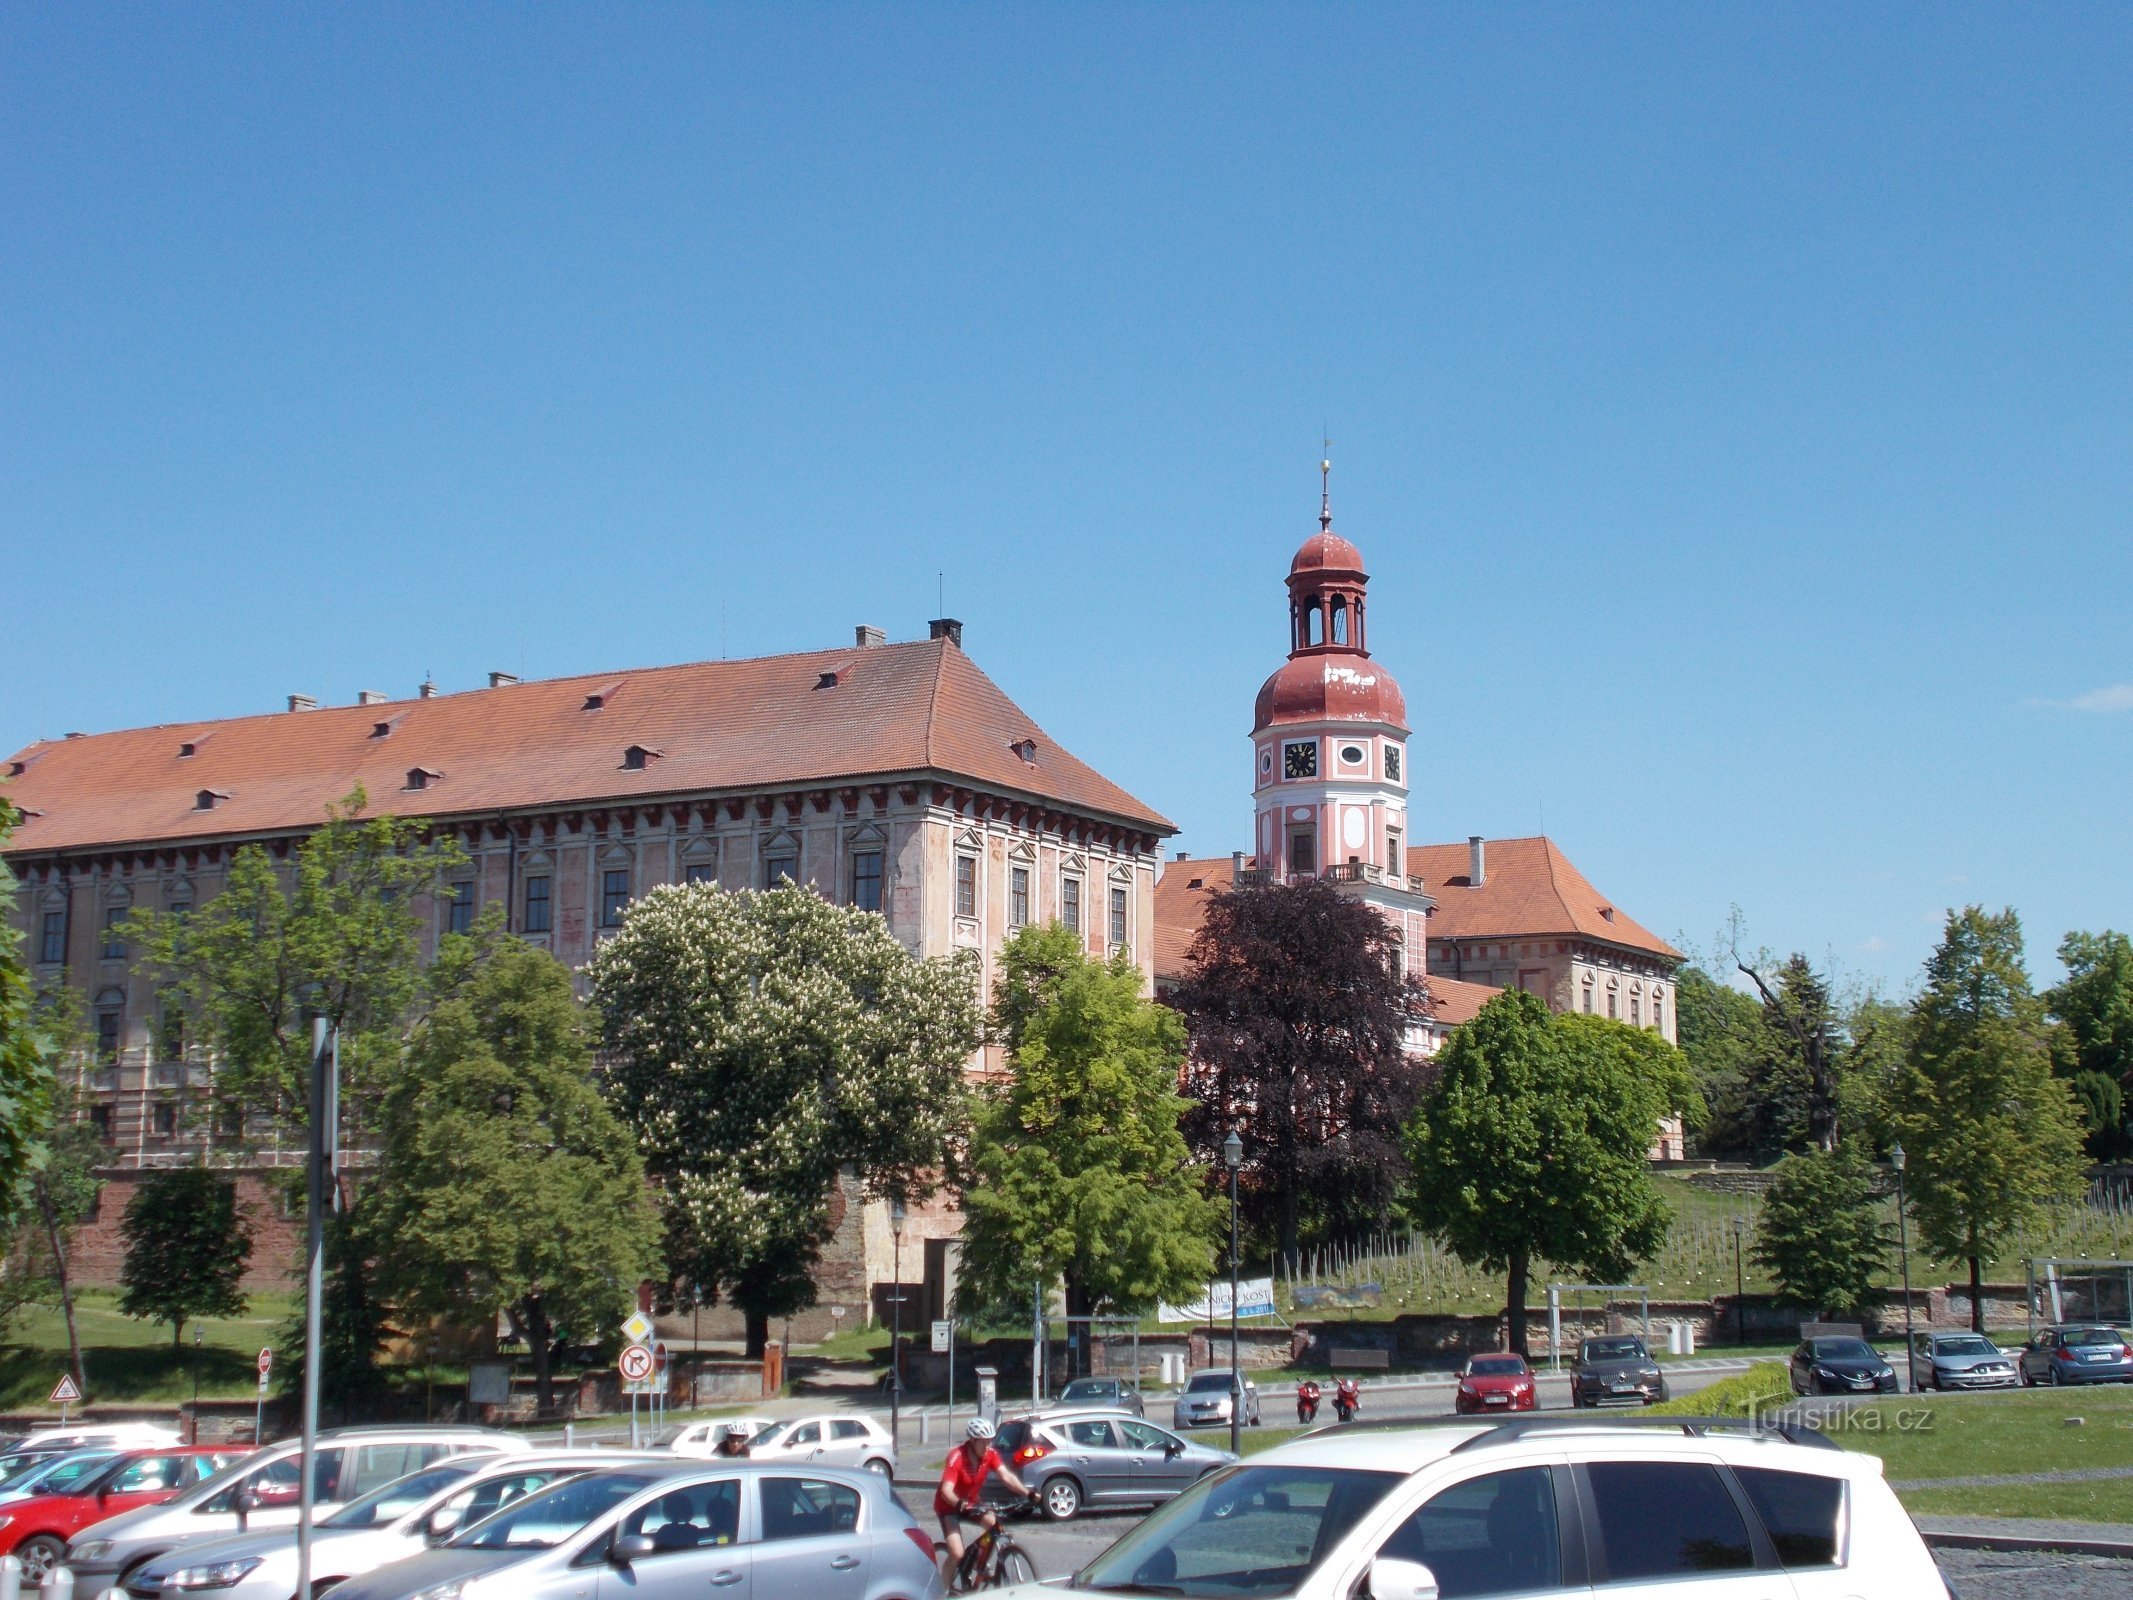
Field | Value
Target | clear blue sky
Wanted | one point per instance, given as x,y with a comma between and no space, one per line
1733,402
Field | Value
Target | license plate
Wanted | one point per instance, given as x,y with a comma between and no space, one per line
1623,1388
1496,1399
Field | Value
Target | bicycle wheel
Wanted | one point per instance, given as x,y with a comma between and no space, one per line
1016,1567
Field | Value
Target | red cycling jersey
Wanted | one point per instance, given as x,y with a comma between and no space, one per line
962,1481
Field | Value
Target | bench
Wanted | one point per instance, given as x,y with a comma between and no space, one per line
1360,1356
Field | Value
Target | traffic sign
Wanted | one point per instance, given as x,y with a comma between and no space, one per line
637,1328
66,1392
943,1336
636,1363
266,1363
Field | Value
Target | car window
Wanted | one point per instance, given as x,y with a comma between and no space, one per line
691,1517
278,1482
1496,1366
1140,1436
1206,1382
1248,1531
1090,1435
1612,1349
484,1499
807,1508
148,1475
770,1435
1659,1519
63,1474
392,1500
1801,1511
372,1466
848,1430
542,1521
1495,1534
1843,1350
2079,1337
1012,1437
1968,1344
806,1433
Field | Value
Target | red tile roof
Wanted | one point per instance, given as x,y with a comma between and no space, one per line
1181,892
1454,1000
921,708
1528,887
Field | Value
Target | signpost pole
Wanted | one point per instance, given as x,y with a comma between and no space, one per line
325,1084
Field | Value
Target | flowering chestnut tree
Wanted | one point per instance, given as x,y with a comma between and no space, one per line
761,1043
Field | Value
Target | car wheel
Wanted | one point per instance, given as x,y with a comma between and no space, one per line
2051,1377
876,1464
39,1555
1062,1498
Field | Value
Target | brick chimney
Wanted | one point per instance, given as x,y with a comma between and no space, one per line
303,702
1477,861
369,697
498,679
869,637
946,628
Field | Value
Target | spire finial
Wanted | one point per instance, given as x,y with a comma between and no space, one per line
1325,488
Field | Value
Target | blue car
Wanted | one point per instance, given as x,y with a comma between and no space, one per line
2077,1352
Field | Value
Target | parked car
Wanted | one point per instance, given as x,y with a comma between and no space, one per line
701,1438
56,1474
48,1443
35,1530
401,1519
838,1440
2077,1352
1072,1459
1206,1400
1616,1367
1959,1361
265,1491
1495,1383
689,1529
1528,1505
1102,1394
1841,1364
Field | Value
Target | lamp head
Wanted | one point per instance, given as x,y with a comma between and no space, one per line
1233,1151
1896,1157
896,1213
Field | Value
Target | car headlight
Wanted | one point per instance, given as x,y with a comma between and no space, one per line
213,1575
442,1591
90,1551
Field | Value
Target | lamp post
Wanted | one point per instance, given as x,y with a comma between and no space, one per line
197,1336
1740,1293
1903,1235
1233,1158
896,1319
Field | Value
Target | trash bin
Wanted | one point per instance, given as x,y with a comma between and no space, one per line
989,1394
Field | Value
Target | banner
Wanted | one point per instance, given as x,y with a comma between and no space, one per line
1338,1297
1255,1298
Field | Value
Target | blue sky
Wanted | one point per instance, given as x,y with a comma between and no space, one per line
1732,402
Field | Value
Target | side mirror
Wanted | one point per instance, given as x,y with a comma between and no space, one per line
1401,1580
444,1521
1176,1447
630,1547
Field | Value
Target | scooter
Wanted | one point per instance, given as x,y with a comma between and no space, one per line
1347,1400
1306,1402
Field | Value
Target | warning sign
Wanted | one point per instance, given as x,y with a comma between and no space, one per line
66,1392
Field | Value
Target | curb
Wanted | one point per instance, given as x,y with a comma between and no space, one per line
1949,1539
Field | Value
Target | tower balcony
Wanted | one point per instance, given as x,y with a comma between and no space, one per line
1340,872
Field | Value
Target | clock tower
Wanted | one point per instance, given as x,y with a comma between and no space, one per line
1329,746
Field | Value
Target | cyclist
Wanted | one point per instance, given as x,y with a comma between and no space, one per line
962,1485
733,1438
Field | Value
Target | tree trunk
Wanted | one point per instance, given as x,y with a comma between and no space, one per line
177,1336
1516,1290
1288,1220
534,1324
1977,1290
1079,1303
66,1285
758,1332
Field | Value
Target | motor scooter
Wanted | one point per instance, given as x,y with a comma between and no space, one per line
1347,1400
1306,1403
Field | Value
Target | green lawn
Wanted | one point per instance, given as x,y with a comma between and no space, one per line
2107,1501
130,1360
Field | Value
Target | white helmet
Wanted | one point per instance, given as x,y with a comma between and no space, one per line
737,1430
979,1429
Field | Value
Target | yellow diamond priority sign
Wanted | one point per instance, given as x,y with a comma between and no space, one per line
637,1328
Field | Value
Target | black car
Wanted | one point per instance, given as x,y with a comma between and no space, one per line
1841,1365
1617,1368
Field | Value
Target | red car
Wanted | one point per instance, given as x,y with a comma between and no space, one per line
1495,1383
36,1530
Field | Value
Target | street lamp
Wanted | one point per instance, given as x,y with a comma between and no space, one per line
896,1318
197,1336
1740,1293
1903,1234
1233,1158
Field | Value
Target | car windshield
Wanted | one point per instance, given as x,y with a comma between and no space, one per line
2095,1335
65,1474
1083,1388
1209,1383
1968,1344
543,1521
1246,1531
770,1435
1496,1366
1613,1350
1843,1350
392,1500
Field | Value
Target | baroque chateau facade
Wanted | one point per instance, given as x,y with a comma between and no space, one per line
896,777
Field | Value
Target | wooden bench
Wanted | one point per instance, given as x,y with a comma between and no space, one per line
1360,1356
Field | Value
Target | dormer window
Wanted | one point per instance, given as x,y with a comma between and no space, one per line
830,680
384,727
599,699
1026,749
637,757
422,777
191,747
208,799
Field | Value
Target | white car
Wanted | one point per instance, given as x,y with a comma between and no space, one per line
404,1518
700,1439
1533,1507
834,1439
116,1435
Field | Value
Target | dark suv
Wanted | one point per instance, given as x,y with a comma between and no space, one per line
1616,1369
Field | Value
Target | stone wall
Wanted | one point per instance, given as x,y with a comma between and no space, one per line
99,1253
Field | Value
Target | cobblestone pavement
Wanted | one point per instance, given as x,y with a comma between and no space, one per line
2024,1575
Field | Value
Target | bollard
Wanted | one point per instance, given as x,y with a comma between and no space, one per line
10,1578
58,1584
925,1428
570,1442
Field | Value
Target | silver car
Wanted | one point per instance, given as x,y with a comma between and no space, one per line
402,1519
681,1532
1205,1400
263,1491
1072,1459
1960,1361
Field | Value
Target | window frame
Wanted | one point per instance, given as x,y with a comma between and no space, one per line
52,946
1070,901
459,906
966,884
1018,897
1120,924
614,904
877,879
545,900
111,941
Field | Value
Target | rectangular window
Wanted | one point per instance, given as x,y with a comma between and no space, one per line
166,1120
100,1120
1303,851
614,897
1395,863
1802,1512
780,869
866,880
1392,762
1018,898
459,910
55,938
170,1041
1636,1011
1658,1026
537,906
966,886
1613,1004
1070,903
700,872
114,941
1118,918
107,1036
1665,1519
1495,1534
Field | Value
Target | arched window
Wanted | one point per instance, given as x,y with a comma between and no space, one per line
1317,624
1338,633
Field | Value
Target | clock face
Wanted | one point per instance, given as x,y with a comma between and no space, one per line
1392,762
1299,760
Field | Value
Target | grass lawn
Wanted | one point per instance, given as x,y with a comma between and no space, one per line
130,1360
2108,1501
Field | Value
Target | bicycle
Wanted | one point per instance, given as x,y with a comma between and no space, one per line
993,1561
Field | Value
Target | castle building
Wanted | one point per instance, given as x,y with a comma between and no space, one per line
893,777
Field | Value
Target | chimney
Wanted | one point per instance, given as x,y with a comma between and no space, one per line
369,697
1236,868
946,628
1477,865
1182,855
303,702
868,637
498,679
427,690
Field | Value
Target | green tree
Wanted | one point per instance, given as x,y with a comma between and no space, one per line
354,1325
760,1044
63,1187
1991,1133
187,1242
2094,1009
505,1183
26,1082
2103,1109
1720,1031
1820,1233
1534,1142
1077,1169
